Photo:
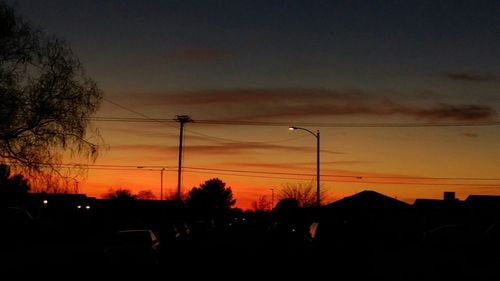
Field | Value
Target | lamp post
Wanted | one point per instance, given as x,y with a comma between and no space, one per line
161,183
161,180
316,135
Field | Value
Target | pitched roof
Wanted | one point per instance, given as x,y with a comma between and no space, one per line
368,199
483,199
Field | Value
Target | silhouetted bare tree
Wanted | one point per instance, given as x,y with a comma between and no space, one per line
173,196
304,193
212,194
146,195
45,98
119,194
262,204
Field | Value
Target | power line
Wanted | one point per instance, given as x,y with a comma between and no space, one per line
349,125
354,181
345,176
112,166
202,135
293,176
255,123
150,119
135,112
226,140
286,124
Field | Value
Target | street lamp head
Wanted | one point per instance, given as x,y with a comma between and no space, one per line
291,128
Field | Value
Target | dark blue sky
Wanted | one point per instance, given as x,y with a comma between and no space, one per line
164,45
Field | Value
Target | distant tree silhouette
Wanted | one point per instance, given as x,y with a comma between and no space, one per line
262,204
45,98
212,194
173,196
305,194
12,186
146,195
119,194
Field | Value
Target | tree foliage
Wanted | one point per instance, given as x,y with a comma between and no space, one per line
45,98
210,195
119,194
12,185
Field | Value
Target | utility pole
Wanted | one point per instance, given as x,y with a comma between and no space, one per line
161,183
318,198
181,119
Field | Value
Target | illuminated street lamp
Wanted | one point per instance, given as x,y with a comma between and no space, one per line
316,135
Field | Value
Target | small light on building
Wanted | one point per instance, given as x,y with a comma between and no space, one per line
87,207
79,207
45,202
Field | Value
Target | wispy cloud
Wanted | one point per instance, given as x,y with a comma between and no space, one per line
142,132
201,55
216,149
288,166
467,77
254,104
234,148
469,135
146,148
455,112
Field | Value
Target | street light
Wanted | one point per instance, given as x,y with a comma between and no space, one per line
316,135
161,180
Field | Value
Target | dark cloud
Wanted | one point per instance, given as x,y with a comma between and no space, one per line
456,112
251,96
254,104
467,77
201,55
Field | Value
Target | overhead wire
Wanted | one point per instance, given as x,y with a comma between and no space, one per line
351,181
265,174
166,121
135,112
104,166
310,124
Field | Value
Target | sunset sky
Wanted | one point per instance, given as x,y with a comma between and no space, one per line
351,69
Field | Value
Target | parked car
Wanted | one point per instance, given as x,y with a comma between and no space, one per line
135,246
